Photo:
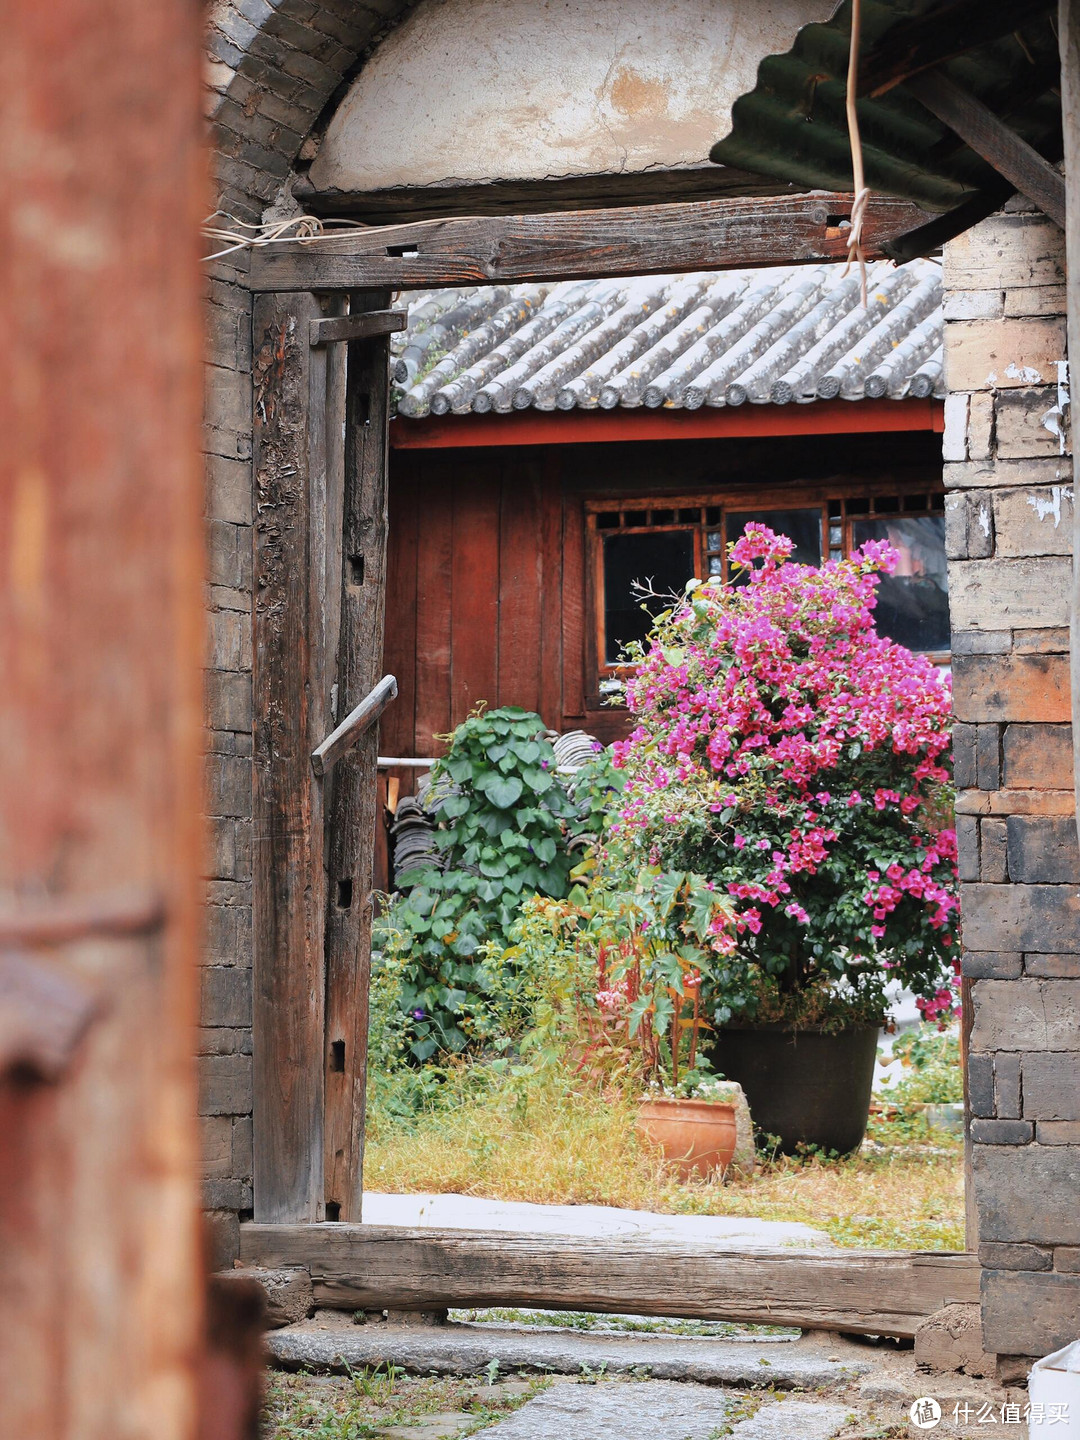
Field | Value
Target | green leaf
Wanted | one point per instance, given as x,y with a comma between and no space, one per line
455,806
537,779
502,790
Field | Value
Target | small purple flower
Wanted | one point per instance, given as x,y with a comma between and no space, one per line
418,1014
543,764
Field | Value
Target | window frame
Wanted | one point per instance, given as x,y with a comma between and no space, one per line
784,496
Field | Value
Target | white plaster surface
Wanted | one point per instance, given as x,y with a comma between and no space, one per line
476,90
470,1212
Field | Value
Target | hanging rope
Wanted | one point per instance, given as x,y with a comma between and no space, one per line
862,194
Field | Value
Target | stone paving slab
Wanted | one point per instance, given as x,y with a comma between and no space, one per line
658,1409
468,1350
470,1212
793,1420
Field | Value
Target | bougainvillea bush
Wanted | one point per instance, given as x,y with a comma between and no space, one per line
800,761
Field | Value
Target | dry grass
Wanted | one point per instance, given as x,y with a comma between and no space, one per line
551,1145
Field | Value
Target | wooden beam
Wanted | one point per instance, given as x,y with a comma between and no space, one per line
583,427
373,1267
288,885
939,34
355,724
351,800
637,240
404,204
989,136
357,327
925,239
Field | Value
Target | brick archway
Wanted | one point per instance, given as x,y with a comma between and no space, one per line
272,67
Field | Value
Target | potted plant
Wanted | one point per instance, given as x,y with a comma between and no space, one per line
798,760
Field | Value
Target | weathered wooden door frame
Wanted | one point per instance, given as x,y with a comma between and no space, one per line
320,453
321,410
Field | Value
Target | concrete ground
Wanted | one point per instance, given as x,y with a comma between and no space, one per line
470,1212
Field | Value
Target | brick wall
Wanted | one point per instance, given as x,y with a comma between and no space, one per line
1009,534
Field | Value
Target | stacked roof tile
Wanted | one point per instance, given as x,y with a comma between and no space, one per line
790,335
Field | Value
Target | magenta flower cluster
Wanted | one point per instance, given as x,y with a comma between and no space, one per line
801,761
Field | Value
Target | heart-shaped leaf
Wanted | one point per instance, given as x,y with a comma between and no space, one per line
502,790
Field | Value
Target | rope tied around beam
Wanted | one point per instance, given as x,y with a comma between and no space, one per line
862,192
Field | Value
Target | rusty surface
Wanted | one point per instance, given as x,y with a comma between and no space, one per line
100,568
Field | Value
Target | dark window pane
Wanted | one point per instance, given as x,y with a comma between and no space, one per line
608,520
636,517
690,516
663,517
886,505
665,561
802,526
913,603
857,506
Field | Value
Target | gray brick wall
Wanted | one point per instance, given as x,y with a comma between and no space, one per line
1009,526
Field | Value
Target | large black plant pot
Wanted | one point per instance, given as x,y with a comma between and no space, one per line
807,1087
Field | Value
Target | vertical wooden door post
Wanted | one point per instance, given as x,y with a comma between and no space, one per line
320,556
351,798
291,441
101,628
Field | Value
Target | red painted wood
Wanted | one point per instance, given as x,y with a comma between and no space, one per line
475,600
433,599
551,599
573,612
521,582
578,427
397,729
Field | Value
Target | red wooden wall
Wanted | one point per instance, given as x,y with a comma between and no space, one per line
481,602
487,596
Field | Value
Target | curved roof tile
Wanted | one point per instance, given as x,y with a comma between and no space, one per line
788,335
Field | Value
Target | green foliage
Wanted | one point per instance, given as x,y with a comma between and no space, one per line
931,1070
504,824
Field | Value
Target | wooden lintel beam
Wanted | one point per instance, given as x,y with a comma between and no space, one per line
372,1267
357,723
989,136
941,33
636,240
341,328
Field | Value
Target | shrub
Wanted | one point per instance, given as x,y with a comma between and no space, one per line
609,979
931,1072
504,825
799,760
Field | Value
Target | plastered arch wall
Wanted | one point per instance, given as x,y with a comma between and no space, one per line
481,90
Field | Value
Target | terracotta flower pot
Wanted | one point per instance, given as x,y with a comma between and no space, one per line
696,1136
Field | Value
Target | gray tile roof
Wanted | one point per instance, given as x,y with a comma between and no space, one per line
780,336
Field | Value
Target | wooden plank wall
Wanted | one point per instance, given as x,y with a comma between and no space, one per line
475,591
488,595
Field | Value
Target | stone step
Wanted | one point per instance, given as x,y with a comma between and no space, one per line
471,1349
